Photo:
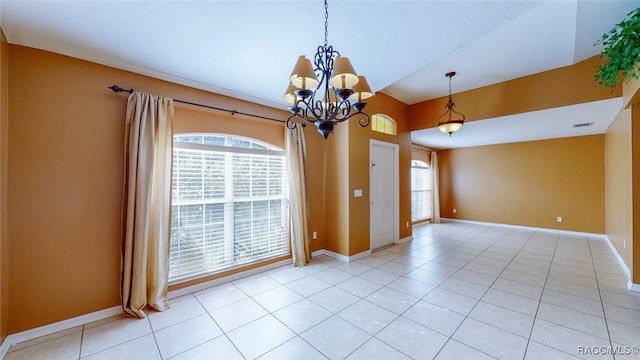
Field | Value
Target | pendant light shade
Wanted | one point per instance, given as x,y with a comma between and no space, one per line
343,76
303,77
453,120
361,90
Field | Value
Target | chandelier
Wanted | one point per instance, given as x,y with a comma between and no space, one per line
451,123
336,97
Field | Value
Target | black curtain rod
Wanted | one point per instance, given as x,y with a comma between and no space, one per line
117,89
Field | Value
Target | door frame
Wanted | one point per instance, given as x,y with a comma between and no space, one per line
396,186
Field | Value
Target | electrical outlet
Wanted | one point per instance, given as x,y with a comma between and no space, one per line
455,211
624,244
559,219
407,224
315,235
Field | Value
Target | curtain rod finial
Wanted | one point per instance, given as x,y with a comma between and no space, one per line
117,89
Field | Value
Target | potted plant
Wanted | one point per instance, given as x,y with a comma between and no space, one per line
621,50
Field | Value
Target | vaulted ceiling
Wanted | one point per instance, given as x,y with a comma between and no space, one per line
246,49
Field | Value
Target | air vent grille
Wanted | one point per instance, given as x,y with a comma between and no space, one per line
582,125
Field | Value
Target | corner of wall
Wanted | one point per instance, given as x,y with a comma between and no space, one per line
4,242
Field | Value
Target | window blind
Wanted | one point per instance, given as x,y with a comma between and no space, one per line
228,204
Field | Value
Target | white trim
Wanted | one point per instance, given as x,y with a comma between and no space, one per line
633,287
343,258
4,348
619,258
404,240
396,180
520,227
211,283
59,326
103,314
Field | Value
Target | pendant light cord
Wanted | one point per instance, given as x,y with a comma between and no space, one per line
326,24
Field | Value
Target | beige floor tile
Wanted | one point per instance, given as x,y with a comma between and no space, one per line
183,336
42,339
450,300
277,298
412,339
237,314
392,300
333,276
466,288
183,308
359,287
113,333
334,299
573,302
368,316
490,340
251,341
376,349
335,338
537,351
308,286
427,277
573,319
379,276
220,348
475,277
220,296
434,317
624,334
294,349
454,350
66,347
622,315
565,339
518,288
411,287
505,319
142,348
302,315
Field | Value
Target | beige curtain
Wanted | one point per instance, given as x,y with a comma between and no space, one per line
435,189
147,203
298,203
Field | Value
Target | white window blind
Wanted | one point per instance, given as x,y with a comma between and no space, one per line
420,191
228,204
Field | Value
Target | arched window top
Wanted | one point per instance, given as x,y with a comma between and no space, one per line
383,123
419,164
223,140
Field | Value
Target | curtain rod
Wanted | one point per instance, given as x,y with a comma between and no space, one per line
117,89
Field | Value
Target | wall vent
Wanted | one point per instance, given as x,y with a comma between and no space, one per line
582,125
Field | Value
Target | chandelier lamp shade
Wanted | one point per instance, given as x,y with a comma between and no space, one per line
451,121
327,91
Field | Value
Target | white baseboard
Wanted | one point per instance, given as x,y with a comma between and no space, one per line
341,257
404,240
531,228
633,287
630,285
57,326
103,314
205,285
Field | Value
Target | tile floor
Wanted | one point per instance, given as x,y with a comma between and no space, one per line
457,291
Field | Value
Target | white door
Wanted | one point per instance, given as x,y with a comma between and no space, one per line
384,189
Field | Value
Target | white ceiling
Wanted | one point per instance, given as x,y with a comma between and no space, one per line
247,49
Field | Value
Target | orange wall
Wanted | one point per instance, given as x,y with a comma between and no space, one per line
4,149
564,86
527,184
65,179
635,166
619,186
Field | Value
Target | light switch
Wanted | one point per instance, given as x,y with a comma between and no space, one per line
357,193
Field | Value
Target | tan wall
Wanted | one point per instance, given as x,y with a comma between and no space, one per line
635,166
549,89
65,179
619,186
527,184
4,150
337,190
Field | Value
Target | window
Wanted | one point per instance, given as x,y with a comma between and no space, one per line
227,204
420,191
383,123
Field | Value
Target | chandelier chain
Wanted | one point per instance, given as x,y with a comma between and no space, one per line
326,24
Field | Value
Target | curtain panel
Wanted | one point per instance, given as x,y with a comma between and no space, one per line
147,203
296,150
